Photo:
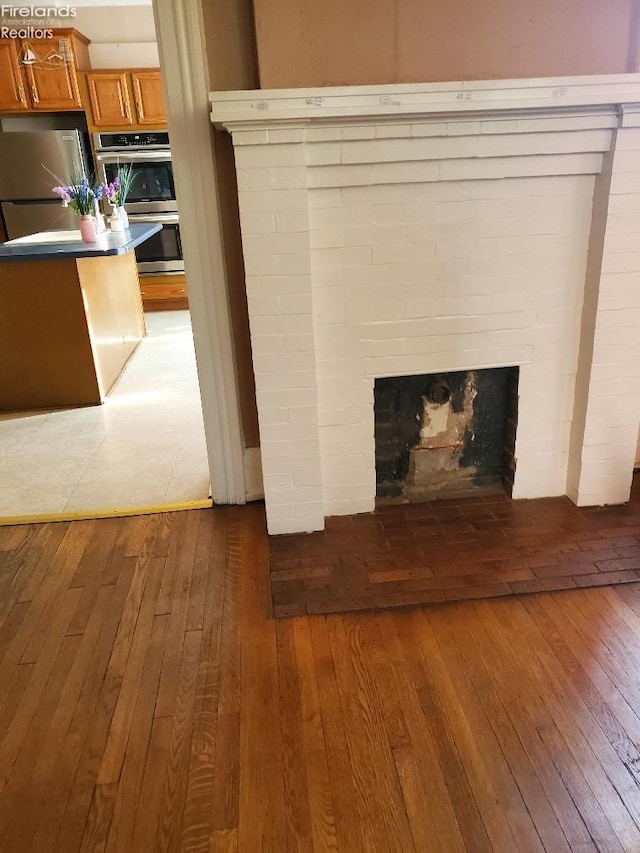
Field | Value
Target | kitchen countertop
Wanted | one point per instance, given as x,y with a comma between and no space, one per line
51,245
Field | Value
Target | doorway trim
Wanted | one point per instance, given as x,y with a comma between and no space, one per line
179,29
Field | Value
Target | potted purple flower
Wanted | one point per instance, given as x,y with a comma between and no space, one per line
82,196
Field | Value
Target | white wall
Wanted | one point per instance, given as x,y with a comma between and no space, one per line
121,36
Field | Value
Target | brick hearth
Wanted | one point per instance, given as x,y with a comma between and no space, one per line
425,553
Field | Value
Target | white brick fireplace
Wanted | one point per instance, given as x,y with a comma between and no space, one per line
417,229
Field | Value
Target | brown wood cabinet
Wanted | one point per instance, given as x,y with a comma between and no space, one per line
149,98
12,96
50,82
109,99
164,292
124,98
71,324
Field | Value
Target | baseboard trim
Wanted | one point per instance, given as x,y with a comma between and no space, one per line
44,518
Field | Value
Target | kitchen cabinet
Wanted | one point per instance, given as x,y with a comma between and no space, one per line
12,96
164,292
124,98
47,83
71,318
109,99
149,98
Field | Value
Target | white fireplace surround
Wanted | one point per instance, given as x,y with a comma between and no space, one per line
415,229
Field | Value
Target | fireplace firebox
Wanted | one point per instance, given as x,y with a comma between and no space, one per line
445,435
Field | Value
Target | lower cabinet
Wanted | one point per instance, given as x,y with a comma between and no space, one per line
164,292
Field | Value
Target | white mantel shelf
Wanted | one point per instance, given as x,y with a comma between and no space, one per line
255,108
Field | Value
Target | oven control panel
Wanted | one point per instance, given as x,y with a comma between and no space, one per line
118,141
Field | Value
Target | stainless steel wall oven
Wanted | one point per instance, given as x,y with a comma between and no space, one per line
162,252
152,197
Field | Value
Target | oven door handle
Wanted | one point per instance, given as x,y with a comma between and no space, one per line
165,219
134,156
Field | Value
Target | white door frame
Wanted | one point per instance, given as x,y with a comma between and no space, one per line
180,35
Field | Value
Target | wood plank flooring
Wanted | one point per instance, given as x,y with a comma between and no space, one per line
150,702
451,550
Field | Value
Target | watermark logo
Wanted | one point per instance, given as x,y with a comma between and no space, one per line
33,22
37,12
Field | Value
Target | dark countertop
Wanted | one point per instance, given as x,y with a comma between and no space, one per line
38,248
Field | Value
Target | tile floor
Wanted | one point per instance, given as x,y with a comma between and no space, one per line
144,446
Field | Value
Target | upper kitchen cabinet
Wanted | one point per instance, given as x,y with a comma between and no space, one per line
12,96
148,96
52,81
124,98
109,99
42,72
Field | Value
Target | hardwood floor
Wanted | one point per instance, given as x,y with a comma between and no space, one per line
148,702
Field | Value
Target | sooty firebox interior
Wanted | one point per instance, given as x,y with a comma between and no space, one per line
446,434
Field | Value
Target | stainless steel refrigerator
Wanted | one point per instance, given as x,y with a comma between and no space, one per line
27,161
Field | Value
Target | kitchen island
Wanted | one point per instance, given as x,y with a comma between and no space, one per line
70,316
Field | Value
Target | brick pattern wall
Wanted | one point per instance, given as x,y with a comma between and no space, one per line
453,276
383,249
607,411
275,235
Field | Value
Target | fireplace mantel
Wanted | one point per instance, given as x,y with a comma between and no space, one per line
414,229
259,108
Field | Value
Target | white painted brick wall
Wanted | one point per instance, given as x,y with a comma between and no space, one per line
393,249
274,222
403,311
601,471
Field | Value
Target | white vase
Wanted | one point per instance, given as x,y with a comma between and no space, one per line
124,218
99,218
115,222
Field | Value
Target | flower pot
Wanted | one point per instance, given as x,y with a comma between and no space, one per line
115,222
88,229
124,218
